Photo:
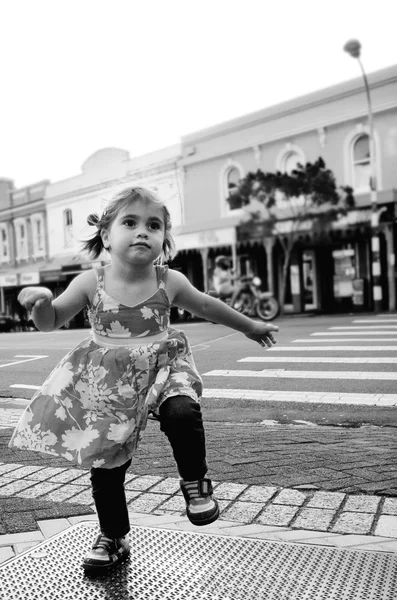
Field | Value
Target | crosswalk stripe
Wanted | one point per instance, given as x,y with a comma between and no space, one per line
354,333
375,321
329,348
283,374
362,327
321,359
309,397
312,341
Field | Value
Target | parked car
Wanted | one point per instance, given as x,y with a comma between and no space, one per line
7,323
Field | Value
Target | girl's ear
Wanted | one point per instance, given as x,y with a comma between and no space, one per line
105,238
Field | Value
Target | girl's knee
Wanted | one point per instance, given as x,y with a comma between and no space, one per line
181,410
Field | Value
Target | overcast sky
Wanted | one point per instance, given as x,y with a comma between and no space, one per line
80,75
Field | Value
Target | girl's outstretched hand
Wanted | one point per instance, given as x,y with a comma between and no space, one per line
262,333
35,296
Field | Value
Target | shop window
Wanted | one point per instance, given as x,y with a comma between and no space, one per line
68,226
4,244
289,157
361,163
21,239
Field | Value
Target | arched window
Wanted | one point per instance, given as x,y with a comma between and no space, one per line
361,163
289,157
291,161
230,181
68,225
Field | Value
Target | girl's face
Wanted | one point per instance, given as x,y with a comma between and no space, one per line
136,235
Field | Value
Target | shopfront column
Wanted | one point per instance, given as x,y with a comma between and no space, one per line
269,245
391,276
204,257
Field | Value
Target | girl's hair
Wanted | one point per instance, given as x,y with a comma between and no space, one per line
94,245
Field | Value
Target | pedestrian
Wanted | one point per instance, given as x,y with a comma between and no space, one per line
93,407
223,277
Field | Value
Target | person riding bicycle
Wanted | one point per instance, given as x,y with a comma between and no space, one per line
223,277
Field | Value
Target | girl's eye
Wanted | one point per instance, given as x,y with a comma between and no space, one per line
154,225
129,222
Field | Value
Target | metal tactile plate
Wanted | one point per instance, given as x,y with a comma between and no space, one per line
175,565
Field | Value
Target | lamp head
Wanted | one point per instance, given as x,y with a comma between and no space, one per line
353,47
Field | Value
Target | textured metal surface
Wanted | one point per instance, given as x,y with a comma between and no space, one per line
175,565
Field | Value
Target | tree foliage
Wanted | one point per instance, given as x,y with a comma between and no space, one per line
306,199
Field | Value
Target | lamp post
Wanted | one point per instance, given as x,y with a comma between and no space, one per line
353,47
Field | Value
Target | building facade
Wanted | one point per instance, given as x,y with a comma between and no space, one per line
23,241
327,273
43,226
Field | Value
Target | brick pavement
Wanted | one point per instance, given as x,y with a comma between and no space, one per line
329,485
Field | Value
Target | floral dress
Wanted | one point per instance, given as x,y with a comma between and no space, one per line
93,407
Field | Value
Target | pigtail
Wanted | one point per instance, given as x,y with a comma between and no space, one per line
94,245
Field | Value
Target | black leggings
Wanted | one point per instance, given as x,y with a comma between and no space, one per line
181,421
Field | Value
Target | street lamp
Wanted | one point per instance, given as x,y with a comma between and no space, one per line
353,47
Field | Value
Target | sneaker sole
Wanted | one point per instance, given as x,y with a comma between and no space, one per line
97,569
206,520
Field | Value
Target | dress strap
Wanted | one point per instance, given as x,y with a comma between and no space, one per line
161,271
100,275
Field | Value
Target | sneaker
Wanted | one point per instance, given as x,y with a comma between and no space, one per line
106,553
201,507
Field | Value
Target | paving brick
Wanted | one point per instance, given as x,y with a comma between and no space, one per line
387,526
10,489
38,490
67,476
330,500
290,497
367,504
147,502
242,511
170,485
317,519
258,493
229,491
143,483
354,522
65,493
390,506
277,515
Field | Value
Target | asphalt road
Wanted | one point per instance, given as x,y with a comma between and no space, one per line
27,358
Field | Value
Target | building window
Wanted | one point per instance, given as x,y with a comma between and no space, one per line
38,235
4,244
21,239
290,162
68,225
230,178
361,163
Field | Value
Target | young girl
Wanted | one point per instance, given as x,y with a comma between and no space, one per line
93,407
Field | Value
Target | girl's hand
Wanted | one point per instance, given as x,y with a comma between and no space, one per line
263,334
35,296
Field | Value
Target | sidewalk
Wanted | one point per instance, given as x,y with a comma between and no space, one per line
313,485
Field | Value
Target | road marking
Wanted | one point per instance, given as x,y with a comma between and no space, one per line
206,344
365,327
357,332
309,397
22,386
375,321
17,362
311,341
320,359
329,347
284,374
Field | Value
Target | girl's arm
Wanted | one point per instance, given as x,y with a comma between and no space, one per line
49,314
183,294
